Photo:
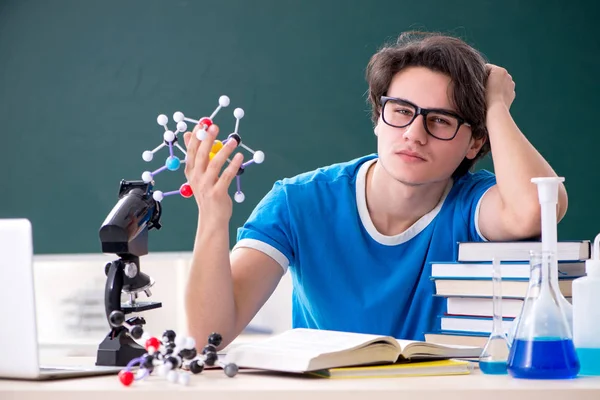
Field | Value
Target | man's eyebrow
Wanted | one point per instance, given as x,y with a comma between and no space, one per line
450,110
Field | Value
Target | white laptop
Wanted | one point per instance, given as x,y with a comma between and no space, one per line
20,354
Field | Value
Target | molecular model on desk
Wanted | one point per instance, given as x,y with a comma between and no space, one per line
174,357
172,163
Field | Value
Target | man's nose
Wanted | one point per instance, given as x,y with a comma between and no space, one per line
416,132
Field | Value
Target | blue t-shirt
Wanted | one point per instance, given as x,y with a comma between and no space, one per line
346,275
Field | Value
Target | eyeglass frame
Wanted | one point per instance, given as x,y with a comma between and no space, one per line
423,111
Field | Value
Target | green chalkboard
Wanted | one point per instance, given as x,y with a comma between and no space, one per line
82,82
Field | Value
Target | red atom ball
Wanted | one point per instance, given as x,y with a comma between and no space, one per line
152,342
126,377
186,190
206,122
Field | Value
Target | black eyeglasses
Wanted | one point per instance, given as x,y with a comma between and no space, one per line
441,124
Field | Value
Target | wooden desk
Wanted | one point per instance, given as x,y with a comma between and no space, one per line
255,385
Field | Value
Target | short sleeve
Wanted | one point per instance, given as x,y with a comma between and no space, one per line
473,188
268,227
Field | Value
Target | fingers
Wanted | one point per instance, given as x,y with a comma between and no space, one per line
215,165
196,151
191,144
202,158
230,172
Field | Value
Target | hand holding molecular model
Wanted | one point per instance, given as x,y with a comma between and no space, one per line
170,139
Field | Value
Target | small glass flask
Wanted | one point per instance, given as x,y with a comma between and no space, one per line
494,356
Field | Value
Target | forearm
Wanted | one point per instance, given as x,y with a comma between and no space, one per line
209,299
516,161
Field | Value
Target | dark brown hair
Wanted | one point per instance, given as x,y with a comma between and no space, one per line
446,54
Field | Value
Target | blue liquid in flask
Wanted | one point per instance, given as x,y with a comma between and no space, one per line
589,359
543,358
493,367
543,347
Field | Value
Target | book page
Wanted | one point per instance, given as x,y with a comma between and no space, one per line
313,342
423,349
405,343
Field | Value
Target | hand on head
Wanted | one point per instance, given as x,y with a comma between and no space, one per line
500,86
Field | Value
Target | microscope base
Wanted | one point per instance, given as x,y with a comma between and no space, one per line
118,351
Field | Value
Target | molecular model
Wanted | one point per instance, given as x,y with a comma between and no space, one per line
172,163
174,357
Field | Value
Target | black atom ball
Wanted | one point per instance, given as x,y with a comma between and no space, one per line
196,367
188,354
211,358
215,339
209,348
147,361
169,335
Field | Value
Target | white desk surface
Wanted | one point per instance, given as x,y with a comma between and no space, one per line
255,385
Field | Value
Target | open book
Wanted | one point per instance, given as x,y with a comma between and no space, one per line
304,350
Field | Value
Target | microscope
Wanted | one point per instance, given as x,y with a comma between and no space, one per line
124,232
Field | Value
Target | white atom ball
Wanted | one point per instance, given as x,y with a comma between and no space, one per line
238,113
190,343
178,116
172,376
158,195
223,101
201,134
181,126
180,341
239,197
162,120
169,136
258,157
147,156
184,378
162,370
147,176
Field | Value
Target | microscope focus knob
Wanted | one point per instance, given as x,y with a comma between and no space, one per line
137,332
116,318
131,270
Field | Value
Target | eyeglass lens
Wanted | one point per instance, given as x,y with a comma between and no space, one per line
400,114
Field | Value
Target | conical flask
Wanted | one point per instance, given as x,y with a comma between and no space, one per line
543,344
548,198
494,356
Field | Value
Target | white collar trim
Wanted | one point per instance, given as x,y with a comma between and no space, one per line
363,212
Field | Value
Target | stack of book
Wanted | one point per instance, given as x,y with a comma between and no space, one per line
466,284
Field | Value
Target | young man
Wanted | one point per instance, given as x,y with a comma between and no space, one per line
357,237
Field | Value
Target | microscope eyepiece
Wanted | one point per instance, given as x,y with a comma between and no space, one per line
125,229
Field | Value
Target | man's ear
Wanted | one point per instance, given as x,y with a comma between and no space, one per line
376,127
474,147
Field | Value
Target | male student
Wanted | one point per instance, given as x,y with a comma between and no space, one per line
357,237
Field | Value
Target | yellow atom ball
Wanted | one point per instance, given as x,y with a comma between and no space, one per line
211,155
218,145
